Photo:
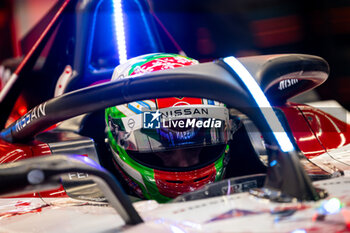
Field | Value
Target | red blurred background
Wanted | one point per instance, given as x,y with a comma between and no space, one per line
208,29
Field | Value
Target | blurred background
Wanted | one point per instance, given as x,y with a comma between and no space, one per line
209,29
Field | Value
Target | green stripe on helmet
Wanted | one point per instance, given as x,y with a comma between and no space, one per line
114,112
219,166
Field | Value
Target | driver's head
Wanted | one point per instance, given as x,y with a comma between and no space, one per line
167,146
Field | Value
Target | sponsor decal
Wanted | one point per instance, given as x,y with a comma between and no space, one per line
151,120
180,118
287,83
184,116
131,123
280,212
234,213
192,123
185,112
77,175
35,113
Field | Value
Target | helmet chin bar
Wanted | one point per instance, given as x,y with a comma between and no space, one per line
217,81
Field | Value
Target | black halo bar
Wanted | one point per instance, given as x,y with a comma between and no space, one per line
43,173
208,80
214,81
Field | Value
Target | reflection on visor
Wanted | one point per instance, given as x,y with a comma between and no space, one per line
176,134
173,135
185,159
172,128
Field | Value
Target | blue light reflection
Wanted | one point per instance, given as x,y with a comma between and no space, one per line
273,163
264,105
119,30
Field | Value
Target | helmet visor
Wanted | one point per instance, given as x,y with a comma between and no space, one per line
198,126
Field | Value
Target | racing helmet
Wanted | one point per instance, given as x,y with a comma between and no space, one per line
165,147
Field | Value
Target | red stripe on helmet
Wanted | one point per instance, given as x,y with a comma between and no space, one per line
173,184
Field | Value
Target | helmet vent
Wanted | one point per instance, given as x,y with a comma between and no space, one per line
174,181
200,178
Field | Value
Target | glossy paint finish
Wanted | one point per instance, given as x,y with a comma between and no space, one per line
316,131
13,152
306,139
332,132
240,212
323,138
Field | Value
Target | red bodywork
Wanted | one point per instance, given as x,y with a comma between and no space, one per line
331,132
13,152
315,131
